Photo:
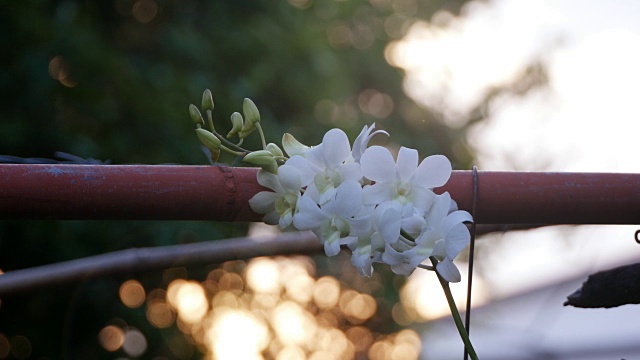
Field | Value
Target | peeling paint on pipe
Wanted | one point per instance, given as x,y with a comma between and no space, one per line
221,193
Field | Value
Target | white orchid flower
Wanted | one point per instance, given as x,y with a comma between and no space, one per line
335,221
279,205
330,164
403,181
444,236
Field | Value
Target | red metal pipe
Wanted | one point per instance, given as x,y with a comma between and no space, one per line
220,193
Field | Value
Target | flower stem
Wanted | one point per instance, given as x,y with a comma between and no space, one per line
264,143
455,313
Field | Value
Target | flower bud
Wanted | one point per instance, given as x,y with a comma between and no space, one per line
207,100
210,141
264,159
250,110
274,149
247,128
236,124
292,146
195,115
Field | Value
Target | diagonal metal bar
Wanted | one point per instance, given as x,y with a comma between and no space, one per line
221,193
162,257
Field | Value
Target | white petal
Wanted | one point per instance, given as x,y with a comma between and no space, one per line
360,226
310,216
413,224
348,198
448,270
263,202
434,171
272,218
315,158
439,210
378,165
336,148
269,180
286,220
331,248
439,250
403,269
454,218
391,256
376,194
289,177
350,171
389,226
456,240
407,163
302,165
423,197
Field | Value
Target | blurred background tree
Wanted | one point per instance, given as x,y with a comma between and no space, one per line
112,81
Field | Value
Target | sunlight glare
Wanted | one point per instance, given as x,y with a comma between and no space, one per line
189,299
293,324
263,275
236,334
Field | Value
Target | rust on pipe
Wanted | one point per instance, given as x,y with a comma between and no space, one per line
221,193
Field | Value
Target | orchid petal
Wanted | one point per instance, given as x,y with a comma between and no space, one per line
263,202
433,171
336,148
349,198
448,270
310,216
407,163
289,177
302,165
439,210
331,248
376,194
272,218
269,180
455,218
378,164
456,240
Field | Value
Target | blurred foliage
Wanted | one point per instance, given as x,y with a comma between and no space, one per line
113,80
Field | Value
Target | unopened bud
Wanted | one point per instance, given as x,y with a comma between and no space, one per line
274,149
195,115
264,159
210,141
207,100
292,146
236,124
250,110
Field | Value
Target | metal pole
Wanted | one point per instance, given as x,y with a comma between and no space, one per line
221,193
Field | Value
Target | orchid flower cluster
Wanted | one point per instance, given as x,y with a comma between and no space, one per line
383,210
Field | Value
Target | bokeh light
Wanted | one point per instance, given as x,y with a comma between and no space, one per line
188,298
274,308
135,343
283,312
111,337
132,293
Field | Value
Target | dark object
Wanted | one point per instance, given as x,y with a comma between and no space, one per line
65,158
607,289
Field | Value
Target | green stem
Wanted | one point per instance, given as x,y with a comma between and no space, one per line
455,313
227,150
210,118
230,144
264,143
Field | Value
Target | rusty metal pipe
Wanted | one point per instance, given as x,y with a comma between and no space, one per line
221,193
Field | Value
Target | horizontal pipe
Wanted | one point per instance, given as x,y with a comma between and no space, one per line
221,193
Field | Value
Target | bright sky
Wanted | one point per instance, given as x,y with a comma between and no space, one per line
586,120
